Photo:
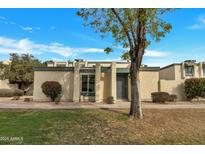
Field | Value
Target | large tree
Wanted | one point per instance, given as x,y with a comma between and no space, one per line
133,29
20,70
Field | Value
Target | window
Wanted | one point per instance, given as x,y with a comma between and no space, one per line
189,70
88,85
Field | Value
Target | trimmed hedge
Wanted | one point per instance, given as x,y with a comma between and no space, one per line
51,89
10,92
194,88
162,97
172,98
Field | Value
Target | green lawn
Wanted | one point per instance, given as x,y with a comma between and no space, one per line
185,126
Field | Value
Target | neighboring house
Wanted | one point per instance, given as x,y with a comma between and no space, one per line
96,81
172,77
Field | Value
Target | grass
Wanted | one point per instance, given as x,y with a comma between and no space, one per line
176,126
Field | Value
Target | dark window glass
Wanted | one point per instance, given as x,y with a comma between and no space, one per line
88,85
84,83
189,70
91,83
204,70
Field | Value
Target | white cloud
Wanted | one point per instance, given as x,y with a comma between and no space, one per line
199,25
153,53
159,62
28,29
196,26
57,59
149,53
25,28
89,50
8,45
203,21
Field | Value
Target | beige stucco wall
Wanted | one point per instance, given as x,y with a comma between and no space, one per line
167,73
178,72
105,87
148,84
4,84
197,71
173,87
123,65
64,78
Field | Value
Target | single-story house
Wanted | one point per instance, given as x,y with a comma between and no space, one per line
96,81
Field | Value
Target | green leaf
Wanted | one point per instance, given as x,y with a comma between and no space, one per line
108,50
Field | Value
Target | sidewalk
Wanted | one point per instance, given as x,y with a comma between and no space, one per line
71,105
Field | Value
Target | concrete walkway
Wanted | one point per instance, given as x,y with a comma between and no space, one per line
71,105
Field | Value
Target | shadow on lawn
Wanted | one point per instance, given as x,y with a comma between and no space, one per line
122,112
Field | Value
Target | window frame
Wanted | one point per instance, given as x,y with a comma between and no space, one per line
187,67
87,93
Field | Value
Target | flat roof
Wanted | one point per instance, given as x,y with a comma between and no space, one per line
53,69
149,68
170,65
103,69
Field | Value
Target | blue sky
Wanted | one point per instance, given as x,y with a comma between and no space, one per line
58,34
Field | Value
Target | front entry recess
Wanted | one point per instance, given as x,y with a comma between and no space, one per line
122,86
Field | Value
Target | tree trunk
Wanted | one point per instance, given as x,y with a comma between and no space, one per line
136,55
135,107
19,85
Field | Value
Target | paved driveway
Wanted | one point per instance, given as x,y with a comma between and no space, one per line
70,105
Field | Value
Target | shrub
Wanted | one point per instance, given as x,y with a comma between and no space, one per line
194,88
51,89
27,99
172,98
110,100
160,97
10,92
17,92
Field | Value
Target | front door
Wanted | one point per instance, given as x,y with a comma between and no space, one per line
122,86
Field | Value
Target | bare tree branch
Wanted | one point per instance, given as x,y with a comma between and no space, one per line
132,28
141,31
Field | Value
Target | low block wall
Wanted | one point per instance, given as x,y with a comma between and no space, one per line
64,78
4,84
173,87
148,84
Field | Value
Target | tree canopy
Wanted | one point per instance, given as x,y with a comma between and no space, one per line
133,29
20,70
123,25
